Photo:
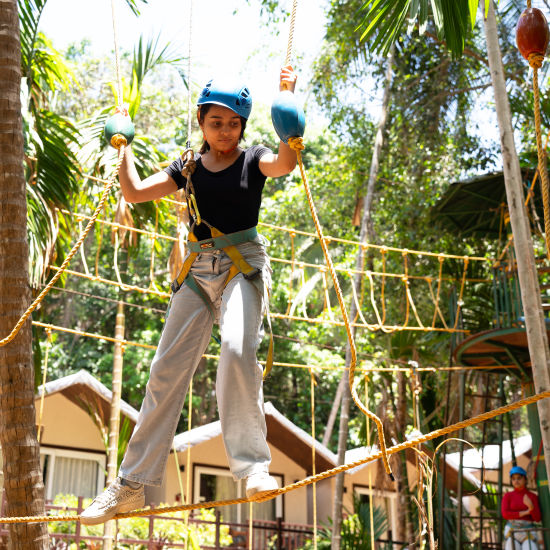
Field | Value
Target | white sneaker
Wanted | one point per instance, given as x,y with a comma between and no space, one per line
116,499
260,483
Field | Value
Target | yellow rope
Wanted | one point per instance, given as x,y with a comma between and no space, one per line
535,61
312,384
69,257
461,293
382,248
297,145
311,479
292,266
187,499
44,377
371,511
291,33
280,364
152,283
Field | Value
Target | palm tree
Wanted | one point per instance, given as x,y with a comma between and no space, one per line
23,484
23,481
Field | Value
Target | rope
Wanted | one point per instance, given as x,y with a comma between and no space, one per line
69,257
297,145
311,479
44,377
117,55
279,364
291,33
371,511
189,110
312,385
535,62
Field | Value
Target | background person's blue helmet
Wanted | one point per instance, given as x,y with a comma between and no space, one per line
518,470
235,97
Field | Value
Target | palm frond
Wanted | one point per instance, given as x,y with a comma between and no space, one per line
383,21
133,5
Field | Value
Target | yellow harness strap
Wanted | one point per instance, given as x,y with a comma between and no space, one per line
227,243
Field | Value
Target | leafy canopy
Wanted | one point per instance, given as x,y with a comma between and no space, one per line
383,20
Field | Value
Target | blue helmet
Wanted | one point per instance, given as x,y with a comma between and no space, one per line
518,470
235,97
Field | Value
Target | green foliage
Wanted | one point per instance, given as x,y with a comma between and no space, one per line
384,20
356,528
165,530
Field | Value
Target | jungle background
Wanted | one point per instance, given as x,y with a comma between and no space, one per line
432,138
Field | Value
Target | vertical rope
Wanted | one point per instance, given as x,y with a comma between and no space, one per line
153,243
371,510
462,284
292,267
535,61
178,471
291,33
117,55
189,113
188,464
297,145
44,376
313,469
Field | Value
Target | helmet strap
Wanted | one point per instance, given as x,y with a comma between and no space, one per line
229,150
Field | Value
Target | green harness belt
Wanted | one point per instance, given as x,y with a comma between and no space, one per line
228,243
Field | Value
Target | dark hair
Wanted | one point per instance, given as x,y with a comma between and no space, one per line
202,110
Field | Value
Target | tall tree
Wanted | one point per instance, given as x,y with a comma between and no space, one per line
385,19
22,476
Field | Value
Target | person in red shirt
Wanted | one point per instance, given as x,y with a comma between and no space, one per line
521,508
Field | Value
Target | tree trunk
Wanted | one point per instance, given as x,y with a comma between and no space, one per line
22,476
402,485
342,446
364,238
334,410
523,245
114,421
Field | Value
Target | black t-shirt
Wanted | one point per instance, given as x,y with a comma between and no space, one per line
229,199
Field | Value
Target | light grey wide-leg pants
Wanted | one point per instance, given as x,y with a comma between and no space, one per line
239,309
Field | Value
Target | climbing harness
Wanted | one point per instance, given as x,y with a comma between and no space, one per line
226,242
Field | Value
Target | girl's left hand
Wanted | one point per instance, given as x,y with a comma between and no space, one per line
287,79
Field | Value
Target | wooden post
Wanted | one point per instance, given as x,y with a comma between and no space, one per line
527,270
279,533
218,518
79,509
151,545
114,421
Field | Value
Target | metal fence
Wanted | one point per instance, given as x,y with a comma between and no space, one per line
264,534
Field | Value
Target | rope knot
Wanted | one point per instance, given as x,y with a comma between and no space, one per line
535,60
189,166
296,143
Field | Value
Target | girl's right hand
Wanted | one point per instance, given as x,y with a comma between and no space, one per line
123,110
287,79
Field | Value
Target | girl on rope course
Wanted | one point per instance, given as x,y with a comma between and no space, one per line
224,279
521,508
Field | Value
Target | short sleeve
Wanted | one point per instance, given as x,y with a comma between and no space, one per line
174,171
260,151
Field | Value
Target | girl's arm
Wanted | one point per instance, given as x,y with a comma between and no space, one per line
134,190
282,163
